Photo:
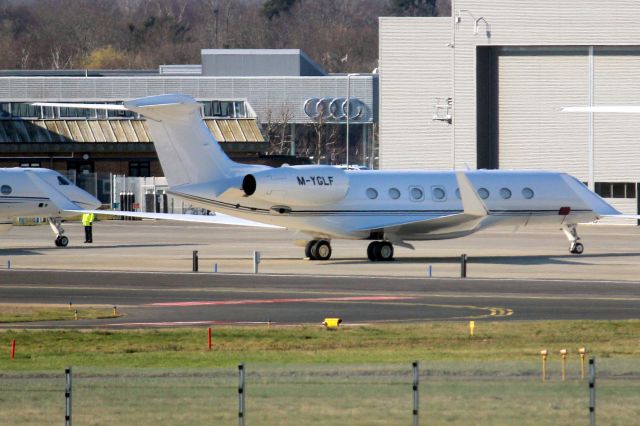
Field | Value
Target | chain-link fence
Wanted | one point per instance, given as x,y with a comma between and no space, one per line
450,392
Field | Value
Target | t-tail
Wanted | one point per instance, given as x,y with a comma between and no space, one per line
189,153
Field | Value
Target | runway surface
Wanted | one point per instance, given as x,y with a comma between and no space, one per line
191,299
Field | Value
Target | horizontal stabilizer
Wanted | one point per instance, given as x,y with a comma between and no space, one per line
110,107
217,219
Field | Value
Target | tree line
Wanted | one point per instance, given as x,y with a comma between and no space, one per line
340,35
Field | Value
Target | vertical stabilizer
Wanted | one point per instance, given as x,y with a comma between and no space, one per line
187,150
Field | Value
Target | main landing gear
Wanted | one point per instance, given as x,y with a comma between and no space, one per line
380,251
318,250
56,225
575,246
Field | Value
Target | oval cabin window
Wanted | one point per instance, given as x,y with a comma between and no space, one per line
394,193
6,189
483,193
372,193
527,193
505,193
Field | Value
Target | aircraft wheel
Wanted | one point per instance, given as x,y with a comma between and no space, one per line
372,251
307,249
321,250
61,241
385,251
576,248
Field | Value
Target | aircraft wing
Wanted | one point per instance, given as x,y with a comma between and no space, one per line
56,197
218,218
474,211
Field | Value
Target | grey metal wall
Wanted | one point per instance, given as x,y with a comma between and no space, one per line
265,94
542,65
414,70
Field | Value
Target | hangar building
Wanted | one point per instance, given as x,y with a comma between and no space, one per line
484,89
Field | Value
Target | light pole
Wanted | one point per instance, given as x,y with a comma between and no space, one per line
348,111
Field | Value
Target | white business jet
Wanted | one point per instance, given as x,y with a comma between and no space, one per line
325,203
27,192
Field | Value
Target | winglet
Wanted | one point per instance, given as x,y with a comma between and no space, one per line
472,204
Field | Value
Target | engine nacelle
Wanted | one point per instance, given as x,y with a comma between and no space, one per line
298,185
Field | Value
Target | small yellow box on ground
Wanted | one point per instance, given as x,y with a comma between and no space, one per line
331,323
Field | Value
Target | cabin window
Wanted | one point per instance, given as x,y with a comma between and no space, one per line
6,189
417,194
505,193
438,193
394,193
527,193
372,193
483,193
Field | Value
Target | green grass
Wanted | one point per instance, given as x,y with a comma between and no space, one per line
306,375
17,313
390,343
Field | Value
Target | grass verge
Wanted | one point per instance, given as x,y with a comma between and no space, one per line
17,313
494,342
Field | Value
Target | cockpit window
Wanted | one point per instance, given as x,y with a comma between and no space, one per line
63,181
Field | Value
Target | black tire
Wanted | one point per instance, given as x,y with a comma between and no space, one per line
307,249
577,248
385,251
321,250
372,249
57,242
62,241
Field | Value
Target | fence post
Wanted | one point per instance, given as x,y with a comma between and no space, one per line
416,399
195,261
241,409
592,391
463,266
67,396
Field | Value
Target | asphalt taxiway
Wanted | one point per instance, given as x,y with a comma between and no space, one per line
192,299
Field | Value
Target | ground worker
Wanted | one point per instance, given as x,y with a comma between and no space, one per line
87,222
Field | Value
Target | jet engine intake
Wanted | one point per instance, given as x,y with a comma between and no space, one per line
297,185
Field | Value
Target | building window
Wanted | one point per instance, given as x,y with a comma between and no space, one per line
5,110
76,113
28,164
22,110
616,189
224,109
139,169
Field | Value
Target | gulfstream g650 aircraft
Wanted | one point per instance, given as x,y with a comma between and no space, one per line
38,192
324,202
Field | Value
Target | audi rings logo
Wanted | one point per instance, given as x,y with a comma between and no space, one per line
333,108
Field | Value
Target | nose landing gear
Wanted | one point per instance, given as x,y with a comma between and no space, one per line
56,226
575,246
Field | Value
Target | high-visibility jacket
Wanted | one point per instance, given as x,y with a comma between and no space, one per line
87,219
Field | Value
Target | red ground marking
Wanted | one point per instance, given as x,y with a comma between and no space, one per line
296,300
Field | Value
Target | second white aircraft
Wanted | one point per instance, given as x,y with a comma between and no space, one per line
383,206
